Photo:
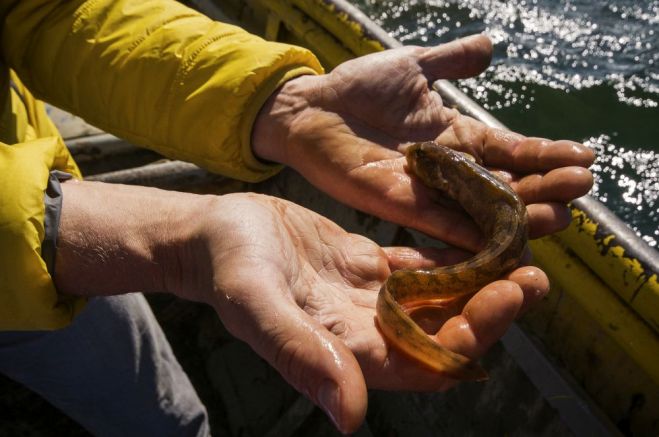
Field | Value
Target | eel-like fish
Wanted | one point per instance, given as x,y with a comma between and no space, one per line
499,213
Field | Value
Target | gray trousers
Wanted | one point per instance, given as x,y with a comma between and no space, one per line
112,370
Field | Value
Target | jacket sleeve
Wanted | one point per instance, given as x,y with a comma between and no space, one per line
154,72
30,149
28,298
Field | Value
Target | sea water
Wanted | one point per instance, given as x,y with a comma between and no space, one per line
581,70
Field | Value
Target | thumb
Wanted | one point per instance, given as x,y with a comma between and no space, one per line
313,360
459,59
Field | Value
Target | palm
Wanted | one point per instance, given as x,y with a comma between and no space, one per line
394,100
332,275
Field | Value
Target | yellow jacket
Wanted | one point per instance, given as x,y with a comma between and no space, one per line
152,71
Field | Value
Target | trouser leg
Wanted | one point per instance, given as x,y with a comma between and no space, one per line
112,370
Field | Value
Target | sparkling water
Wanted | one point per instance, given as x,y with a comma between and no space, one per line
581,70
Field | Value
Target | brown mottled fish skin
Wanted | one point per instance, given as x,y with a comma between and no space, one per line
499,213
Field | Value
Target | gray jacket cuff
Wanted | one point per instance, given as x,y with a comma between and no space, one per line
53,203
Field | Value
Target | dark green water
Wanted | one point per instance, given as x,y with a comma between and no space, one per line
581,70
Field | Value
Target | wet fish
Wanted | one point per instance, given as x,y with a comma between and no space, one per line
499,213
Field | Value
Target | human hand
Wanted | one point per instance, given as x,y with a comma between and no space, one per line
295,286
345,132
301,292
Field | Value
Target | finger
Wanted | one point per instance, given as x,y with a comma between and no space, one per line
544,218
462,58
532,281
547,218
484,319
559,185
308,356
423,257
534,284
452,226
526,154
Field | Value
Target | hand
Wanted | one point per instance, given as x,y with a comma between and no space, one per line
296,287
302,291
345,131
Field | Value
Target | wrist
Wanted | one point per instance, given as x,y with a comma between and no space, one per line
275,124
118,239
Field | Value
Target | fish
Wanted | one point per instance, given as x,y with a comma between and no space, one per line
499,213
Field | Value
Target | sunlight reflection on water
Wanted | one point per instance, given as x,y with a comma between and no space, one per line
583,70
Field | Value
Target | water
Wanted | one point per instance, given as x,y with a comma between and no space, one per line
582,70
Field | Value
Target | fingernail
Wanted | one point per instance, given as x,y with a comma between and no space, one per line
329,399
